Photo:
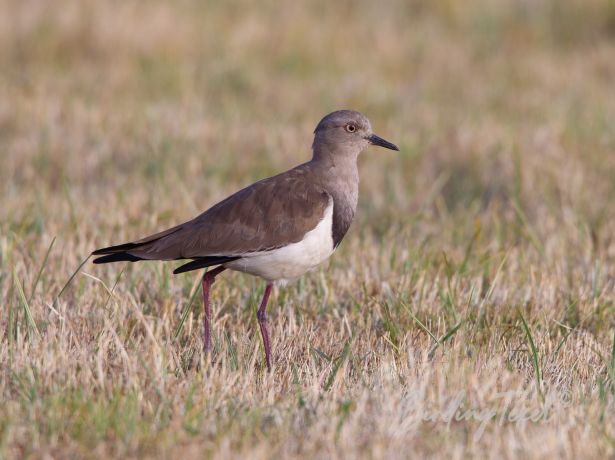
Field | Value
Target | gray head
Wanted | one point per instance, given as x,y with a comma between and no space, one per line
346,132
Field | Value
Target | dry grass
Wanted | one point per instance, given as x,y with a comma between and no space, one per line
482,260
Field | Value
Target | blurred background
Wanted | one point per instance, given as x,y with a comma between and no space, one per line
107,107
121,118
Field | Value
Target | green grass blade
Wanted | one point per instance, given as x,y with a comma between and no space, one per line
496,279
321,354
117,280
40,271
12,321
421,325
446,336
534,351
451,332
569,330
70,280
530,231
612,365
297,382
184,316
468,252
26,306
232,352
337,365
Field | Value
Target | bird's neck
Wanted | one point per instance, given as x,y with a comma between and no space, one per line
327,158
336,167
338,174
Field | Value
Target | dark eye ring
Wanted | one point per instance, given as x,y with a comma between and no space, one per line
351,128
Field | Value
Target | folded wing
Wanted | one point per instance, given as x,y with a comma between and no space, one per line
266,215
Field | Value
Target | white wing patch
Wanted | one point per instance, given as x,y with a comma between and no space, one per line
290,262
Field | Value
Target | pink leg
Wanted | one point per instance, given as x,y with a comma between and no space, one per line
208,280
261,315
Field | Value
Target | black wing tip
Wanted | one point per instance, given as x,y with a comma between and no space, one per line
203,262
183,269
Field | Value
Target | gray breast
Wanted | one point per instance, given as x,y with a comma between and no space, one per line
340,179
342,218
344,206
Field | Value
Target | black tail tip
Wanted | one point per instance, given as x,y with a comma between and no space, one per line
117,257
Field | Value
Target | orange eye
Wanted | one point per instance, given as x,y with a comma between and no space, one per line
351,128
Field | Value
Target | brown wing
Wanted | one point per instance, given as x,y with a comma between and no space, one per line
268,214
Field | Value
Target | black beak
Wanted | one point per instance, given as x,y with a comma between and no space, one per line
377,140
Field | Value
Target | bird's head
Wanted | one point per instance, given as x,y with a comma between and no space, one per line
346,132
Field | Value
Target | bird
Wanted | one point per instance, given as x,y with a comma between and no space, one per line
277,228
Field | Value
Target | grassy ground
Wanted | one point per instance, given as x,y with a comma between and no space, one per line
470,310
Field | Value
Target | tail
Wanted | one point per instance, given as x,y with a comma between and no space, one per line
120,253
117,257
116,253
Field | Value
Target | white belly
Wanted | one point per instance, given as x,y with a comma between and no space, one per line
290,262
